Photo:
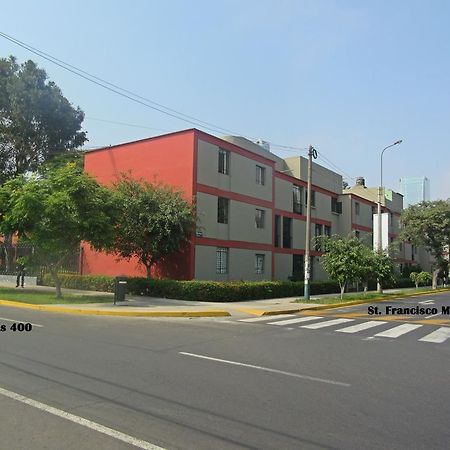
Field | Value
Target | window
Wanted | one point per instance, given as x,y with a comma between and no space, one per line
298,268
223,206
287,232
327,231
224,161
260,175
317,233
259,218
357,234
297,193
221,260
401,246
277,231
313,198
259,263
336,206
357,208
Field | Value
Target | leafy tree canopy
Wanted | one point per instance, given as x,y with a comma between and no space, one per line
36,120
154,221
54,213
349,260
428,224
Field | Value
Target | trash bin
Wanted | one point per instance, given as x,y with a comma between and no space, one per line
120,289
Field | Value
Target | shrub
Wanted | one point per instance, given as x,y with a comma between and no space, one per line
194,290
101,283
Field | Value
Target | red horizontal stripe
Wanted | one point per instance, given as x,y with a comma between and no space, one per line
232,244
233,196
294,215
299,182
355,226
234,148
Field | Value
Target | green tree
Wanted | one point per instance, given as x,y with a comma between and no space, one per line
422,278
53,214
36,121
154,221
428,224
344,260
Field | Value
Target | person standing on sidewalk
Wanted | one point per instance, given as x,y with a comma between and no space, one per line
20,275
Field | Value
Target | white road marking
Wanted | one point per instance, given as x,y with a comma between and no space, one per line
290,321
398,331
257,319
328,323
427,302
361,326
81,421
21,321
438,336
433,315
267,369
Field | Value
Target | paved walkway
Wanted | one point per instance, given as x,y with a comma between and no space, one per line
163,307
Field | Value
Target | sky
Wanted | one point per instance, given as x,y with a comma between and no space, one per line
348,77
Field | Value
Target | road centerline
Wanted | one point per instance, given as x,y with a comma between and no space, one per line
266,369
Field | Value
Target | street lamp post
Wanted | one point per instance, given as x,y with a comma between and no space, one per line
380,199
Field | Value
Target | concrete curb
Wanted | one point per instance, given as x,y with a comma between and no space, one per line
107,312
343,305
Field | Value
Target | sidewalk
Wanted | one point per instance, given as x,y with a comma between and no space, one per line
138,306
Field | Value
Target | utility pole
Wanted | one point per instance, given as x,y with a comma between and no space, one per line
312,153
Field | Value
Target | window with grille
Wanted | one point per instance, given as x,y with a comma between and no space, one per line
277,231
259,263
297,195
357,208
223,206
318,231
259,218
327,231
224,161
260,175
222,260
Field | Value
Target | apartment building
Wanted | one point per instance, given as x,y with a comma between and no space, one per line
250,205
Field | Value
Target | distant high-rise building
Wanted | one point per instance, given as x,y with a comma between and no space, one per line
415,190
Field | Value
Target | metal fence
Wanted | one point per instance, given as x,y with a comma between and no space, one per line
9,255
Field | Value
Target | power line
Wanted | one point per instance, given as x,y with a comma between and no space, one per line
128,94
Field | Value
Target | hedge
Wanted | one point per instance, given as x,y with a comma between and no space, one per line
206,291
211,291
102,283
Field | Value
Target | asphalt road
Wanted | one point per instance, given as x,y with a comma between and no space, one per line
121,383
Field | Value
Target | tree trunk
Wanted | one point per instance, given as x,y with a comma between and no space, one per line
379,286
57,282
417,285
148,268
435,277
365,284
9,253
342,290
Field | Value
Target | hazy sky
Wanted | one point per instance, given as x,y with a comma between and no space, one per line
349,77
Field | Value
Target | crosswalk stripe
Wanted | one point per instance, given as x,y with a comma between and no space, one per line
328,323
300,319
361,326
398,331
257,319
438,336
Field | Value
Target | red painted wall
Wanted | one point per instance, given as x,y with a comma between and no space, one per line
168,159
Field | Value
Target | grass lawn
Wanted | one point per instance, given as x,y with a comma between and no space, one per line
359,296
38,297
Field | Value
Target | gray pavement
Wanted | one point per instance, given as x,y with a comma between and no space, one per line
148,306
